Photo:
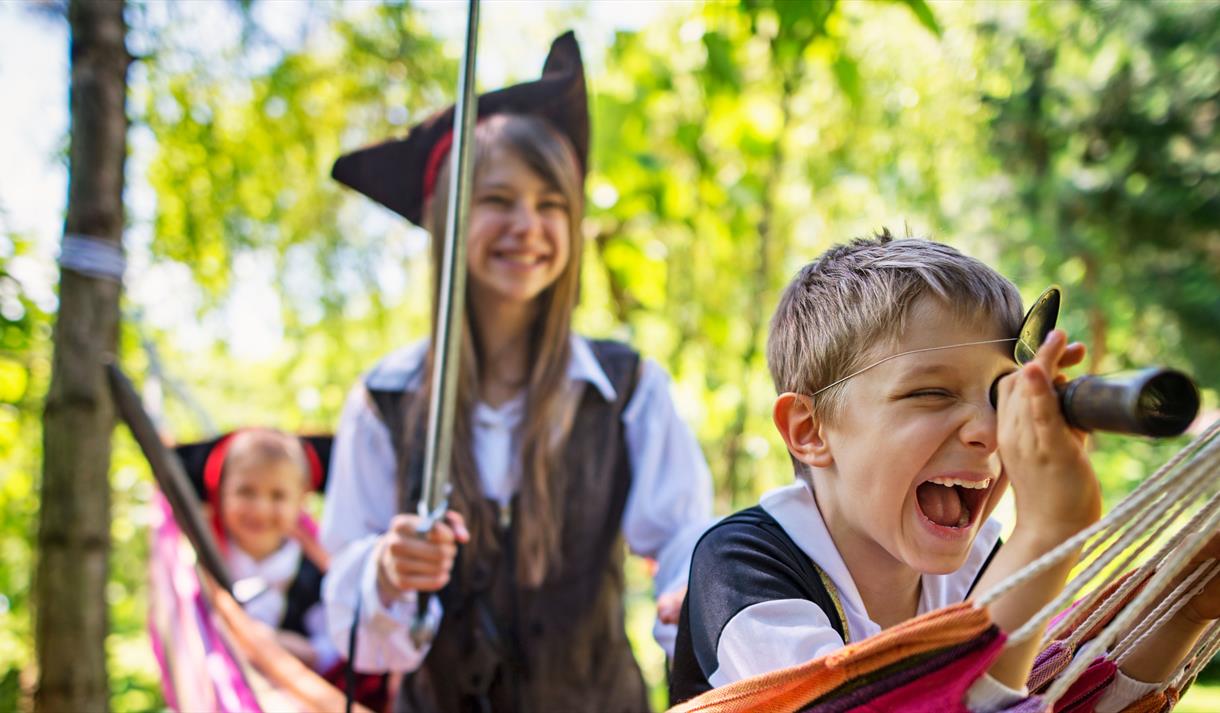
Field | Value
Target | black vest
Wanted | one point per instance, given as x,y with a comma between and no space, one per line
562,646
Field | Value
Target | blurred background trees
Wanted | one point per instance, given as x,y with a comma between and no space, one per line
1073,143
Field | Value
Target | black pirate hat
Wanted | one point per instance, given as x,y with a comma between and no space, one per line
204,461
400,173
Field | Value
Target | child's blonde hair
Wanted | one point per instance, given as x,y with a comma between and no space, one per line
857,296
262,446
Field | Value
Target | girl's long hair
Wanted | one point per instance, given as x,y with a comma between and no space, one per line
550,399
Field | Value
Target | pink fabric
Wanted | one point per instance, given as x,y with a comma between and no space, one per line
942,691
1087,689
308,525
1033,704
1049,663
198,670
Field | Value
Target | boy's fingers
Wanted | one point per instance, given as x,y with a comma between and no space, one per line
1072,355
1043,402
1051,351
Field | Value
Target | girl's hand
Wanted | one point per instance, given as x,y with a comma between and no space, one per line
669,606
297,645
1055,489
405,562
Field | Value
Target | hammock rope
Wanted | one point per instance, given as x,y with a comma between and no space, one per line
1166,609
1170,569
1137,513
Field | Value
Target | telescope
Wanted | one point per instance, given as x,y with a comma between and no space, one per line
1154,401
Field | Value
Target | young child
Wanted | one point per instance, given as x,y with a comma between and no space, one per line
256,481
885,353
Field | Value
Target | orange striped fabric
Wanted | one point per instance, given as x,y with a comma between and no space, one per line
792,688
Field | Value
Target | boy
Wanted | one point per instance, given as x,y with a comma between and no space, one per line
884,353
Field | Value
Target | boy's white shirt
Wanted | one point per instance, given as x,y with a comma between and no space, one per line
777,634
668,506
277,571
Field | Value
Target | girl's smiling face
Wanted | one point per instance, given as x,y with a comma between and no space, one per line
260,503
518,241
913,468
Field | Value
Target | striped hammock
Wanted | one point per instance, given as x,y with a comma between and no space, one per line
1137,562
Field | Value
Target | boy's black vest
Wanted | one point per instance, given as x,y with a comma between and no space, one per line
562,646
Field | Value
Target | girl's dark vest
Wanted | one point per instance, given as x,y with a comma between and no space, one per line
562,646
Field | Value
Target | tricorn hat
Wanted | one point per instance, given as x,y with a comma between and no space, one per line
400,174
204,462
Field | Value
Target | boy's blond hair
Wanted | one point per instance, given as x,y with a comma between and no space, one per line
843,305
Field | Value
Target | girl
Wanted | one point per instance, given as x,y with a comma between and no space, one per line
563,447
254,483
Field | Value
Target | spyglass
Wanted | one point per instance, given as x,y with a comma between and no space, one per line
1153,401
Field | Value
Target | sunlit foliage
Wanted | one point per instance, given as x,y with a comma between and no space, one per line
1061,142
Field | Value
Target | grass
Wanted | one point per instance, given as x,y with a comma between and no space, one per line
1201,698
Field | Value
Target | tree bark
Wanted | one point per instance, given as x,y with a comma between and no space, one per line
759,281
71,619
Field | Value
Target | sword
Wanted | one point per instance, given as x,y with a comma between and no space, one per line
434,501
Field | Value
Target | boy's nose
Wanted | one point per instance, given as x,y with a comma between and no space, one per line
979,430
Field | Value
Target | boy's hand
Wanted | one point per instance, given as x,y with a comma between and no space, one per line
1056,492
405,562
1206,604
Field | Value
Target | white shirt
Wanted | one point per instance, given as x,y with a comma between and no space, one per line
277,571
777,634
668,505
797,630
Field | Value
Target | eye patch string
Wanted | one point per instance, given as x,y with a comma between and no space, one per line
914,351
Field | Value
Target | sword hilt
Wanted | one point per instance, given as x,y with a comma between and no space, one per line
424,627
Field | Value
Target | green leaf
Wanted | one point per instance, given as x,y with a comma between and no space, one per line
923,13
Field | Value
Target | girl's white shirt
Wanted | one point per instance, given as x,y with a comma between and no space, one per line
277,570
668,506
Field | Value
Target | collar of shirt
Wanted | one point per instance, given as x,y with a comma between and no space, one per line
276,569
402,367
796,510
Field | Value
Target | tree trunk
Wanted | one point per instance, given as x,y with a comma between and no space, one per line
759,281
71,619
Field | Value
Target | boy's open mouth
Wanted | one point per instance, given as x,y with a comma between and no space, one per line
952,502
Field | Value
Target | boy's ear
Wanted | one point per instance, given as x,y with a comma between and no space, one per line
802,430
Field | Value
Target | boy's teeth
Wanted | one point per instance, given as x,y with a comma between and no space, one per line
964,520
969,484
